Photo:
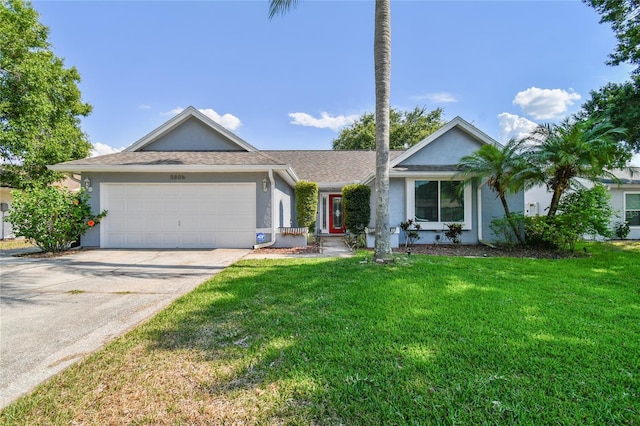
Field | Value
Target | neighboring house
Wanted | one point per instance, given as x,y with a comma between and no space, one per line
193,184
625,199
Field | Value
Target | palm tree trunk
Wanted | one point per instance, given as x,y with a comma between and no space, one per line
555,201
507,213
382,61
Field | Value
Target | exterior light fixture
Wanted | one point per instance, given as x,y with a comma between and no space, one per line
264,185
87,184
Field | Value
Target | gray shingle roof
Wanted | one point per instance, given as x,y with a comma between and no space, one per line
186,158
330,166
317,166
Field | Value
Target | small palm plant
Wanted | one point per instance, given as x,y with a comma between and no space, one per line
503,168
411,229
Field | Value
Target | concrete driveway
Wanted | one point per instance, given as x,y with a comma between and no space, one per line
55,311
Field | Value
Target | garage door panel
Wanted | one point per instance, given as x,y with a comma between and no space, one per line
179,215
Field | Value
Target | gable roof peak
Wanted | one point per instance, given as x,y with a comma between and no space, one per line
181,117
458,122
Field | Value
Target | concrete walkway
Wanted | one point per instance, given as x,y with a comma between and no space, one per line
334,247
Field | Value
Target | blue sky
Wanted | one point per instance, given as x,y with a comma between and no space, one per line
294,81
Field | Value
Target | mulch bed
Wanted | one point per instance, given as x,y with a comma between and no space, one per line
461,250
309,249
486,251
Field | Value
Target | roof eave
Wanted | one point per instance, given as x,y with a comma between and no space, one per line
159,168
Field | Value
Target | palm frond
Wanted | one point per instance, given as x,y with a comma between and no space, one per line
280,7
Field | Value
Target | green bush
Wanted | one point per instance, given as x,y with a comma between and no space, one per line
588,211
621,229
52,217
503,229
357,207
306,204
585,211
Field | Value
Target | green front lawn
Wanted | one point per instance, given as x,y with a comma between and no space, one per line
336,341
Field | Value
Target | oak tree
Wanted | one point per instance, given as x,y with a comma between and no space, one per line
40,102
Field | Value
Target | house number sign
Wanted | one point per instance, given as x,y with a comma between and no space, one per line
177,177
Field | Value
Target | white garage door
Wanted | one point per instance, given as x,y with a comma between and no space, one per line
178,215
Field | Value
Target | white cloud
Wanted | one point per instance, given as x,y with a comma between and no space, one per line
545,104
228,121
514,126
438,98
174,111
103,149
324,122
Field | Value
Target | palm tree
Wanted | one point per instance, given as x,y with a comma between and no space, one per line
503,168
575,149
382,62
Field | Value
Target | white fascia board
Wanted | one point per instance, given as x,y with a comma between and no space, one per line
370,178
288,175
173,122
428,174
456,122
159,168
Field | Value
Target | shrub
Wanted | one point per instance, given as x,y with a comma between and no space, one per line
503,229
539,231
453,232
621,229
588,211
585,211
52,217
306,204
411,230
357,207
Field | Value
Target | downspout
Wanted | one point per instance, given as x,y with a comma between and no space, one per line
479,203
273,214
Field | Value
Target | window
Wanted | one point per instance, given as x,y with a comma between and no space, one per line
632,208
434,202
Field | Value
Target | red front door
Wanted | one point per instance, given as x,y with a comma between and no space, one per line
336,214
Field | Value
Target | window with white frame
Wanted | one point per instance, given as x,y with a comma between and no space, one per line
434,202
632,208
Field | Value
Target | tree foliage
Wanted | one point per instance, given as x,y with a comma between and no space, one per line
306,203
407,128
620,103
53,217
40,103
624,17
357,207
